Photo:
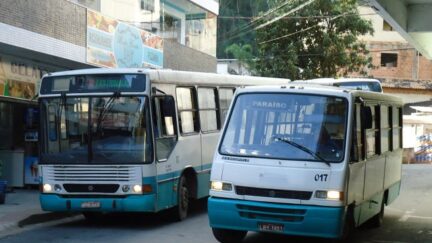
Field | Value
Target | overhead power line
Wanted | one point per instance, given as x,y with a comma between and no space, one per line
285,14
273,20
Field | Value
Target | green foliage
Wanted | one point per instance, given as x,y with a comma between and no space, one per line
234,24
243,53
321,41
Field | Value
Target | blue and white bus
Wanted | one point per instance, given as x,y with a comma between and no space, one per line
305,160
130,140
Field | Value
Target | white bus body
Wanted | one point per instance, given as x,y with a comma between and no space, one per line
305,160
122,140
365,84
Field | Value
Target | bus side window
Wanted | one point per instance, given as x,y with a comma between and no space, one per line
164,126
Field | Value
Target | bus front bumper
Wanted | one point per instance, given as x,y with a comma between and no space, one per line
303,220
132,203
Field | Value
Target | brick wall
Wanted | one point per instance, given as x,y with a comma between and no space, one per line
409,65
59,19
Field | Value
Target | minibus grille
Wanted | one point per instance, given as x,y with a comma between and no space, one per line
262,192
274,214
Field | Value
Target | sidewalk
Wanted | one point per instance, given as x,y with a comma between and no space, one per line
22,209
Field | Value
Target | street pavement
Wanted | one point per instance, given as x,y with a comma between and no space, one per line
408,219
22,209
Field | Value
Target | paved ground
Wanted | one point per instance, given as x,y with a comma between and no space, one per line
22,209
408,219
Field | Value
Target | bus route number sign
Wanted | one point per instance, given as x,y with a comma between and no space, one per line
321,177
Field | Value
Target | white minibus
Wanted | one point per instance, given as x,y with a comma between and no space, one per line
366,84
305,160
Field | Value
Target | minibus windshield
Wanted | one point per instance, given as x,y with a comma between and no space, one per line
287,126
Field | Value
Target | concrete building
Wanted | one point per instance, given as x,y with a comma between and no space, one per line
37,37
402,69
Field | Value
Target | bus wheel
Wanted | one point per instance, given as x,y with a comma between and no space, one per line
181,210
348,228
229,236
377,220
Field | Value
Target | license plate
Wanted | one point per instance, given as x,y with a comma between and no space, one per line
269,227
90,205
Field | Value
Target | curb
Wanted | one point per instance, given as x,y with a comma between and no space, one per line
37,221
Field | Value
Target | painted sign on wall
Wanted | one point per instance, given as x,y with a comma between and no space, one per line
20,78
111,43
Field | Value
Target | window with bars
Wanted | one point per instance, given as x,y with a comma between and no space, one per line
208,109
187,110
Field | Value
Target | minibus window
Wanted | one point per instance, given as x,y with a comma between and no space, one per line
287,126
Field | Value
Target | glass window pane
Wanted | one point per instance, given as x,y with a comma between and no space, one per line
184,98
298,127
187,121
225,97
207,98
208,121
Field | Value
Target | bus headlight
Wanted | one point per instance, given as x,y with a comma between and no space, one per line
221,186
331,195
137,188
47,188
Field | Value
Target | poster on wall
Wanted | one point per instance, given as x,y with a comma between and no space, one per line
111,43
31,170
20,78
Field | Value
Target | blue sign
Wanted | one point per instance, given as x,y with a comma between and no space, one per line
127,46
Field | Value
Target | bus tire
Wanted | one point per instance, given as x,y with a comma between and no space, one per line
348,227
229,236
182,208
377,220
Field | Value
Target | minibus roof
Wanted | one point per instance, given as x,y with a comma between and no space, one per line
322,90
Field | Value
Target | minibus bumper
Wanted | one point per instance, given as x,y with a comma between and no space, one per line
303,220
132,203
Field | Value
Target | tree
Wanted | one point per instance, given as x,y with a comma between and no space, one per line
243,54
318,40
234,24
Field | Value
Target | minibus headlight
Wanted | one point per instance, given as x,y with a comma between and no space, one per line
221,186
47,188
331,195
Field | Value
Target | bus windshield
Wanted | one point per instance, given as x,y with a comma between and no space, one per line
287,126
109,129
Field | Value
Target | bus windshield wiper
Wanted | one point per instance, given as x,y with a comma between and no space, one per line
303,148
107,107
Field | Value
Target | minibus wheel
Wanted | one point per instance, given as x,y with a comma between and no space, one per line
181,210
229,236
348,227
377,220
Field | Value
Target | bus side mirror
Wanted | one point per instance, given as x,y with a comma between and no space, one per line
366,117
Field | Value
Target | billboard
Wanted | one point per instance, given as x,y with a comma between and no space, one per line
20,78
111,43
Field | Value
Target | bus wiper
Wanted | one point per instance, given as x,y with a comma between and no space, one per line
107,107
303,148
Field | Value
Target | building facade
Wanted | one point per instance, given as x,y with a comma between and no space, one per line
42,36
400,67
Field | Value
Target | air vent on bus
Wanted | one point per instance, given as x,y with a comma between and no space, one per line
262,192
